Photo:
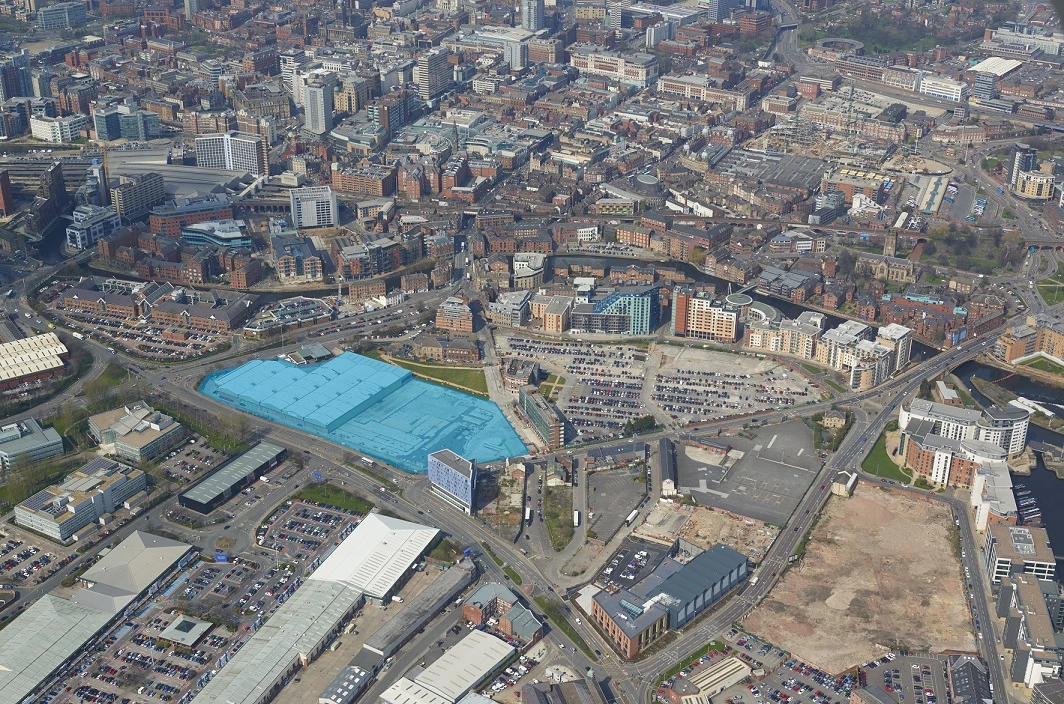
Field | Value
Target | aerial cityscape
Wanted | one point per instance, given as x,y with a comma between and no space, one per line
531,352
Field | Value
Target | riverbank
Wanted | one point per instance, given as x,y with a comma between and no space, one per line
1001,395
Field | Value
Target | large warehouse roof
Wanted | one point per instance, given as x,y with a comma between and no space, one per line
228,476
30,356
375,555
40,640
462,667
44,636
294,630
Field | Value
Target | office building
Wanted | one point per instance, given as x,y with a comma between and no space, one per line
455,315
640,70
434,74
314,206
135,196
1013,550
1024,158
318,104
454,479
717,10
26,442
126,122
83,498
170,218
495,601
91,222
697,315
136,432
191,8
7,198
228,480
63,15
58,130
232,234
943,88
1049,692
15,76
543,416
533,15
234,151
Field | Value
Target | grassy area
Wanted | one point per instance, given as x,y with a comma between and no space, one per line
446,551
509,571
359,467
708,647
837,387
462,378
556,614
922,483
1051,290
27,481
334,496
1044,365
811,368
110,377
512,574
879,463
491,553
558,515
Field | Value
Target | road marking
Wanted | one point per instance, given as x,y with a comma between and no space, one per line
771,442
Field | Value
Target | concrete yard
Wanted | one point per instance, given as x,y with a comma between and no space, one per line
613,496
706,527
879,572
765,482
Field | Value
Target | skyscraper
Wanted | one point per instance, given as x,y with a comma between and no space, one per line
15,77
236,151
1024,158
533,16
318,104
191,8
434,74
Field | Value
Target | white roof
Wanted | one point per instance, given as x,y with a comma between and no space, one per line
405,691
31,355
135,563
997,66
461,668
40,640
294,630
376,554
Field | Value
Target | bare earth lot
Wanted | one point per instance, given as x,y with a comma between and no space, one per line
705,527
879,572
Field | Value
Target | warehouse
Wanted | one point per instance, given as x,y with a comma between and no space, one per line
421,608
31,359
38,644
458,671
371,562
227,481
346,686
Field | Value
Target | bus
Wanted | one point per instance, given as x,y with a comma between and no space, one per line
528,515
576,519
367,462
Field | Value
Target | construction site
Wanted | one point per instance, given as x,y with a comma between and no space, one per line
705,527
879,572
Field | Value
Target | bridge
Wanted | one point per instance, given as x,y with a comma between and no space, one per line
1044,243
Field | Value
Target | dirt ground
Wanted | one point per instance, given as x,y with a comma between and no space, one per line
879,572
705,527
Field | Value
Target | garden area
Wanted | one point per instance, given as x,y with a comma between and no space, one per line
880,464
468,379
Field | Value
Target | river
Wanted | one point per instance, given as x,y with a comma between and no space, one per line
1043,484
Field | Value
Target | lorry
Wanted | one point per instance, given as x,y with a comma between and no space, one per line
528,515
576,519
631,517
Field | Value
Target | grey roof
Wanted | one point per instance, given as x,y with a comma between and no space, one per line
465,665
969,680
229,475
454,461
629,611
40,640
695,577
421,608
487,593
136,563
524,622
1005,412
345,687
29,437
186,630
1049,692
574,692
874,695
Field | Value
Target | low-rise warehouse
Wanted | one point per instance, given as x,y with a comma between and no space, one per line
454,674
373,561
346,686
40,642
31,359
227,481
421,608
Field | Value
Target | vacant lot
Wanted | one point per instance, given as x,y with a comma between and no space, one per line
880,571
706,527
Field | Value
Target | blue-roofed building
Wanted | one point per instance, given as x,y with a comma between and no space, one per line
370,406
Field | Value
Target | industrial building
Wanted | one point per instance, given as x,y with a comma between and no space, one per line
38,644
582,691
31,359
495,601
136,432
372,562
433,598
369,406
454,674
669,598
228,480
348,684
25,442
88,495
454,479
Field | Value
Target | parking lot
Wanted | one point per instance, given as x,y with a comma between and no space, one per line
25,563
299,528
612,496
632,562
911,679
141,337
188,461
766,482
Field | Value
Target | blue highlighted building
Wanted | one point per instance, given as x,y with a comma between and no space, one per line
370,406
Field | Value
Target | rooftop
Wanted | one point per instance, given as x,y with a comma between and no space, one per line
1022,544
222,479
31,355
463,666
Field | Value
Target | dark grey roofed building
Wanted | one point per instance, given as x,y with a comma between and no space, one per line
969,680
